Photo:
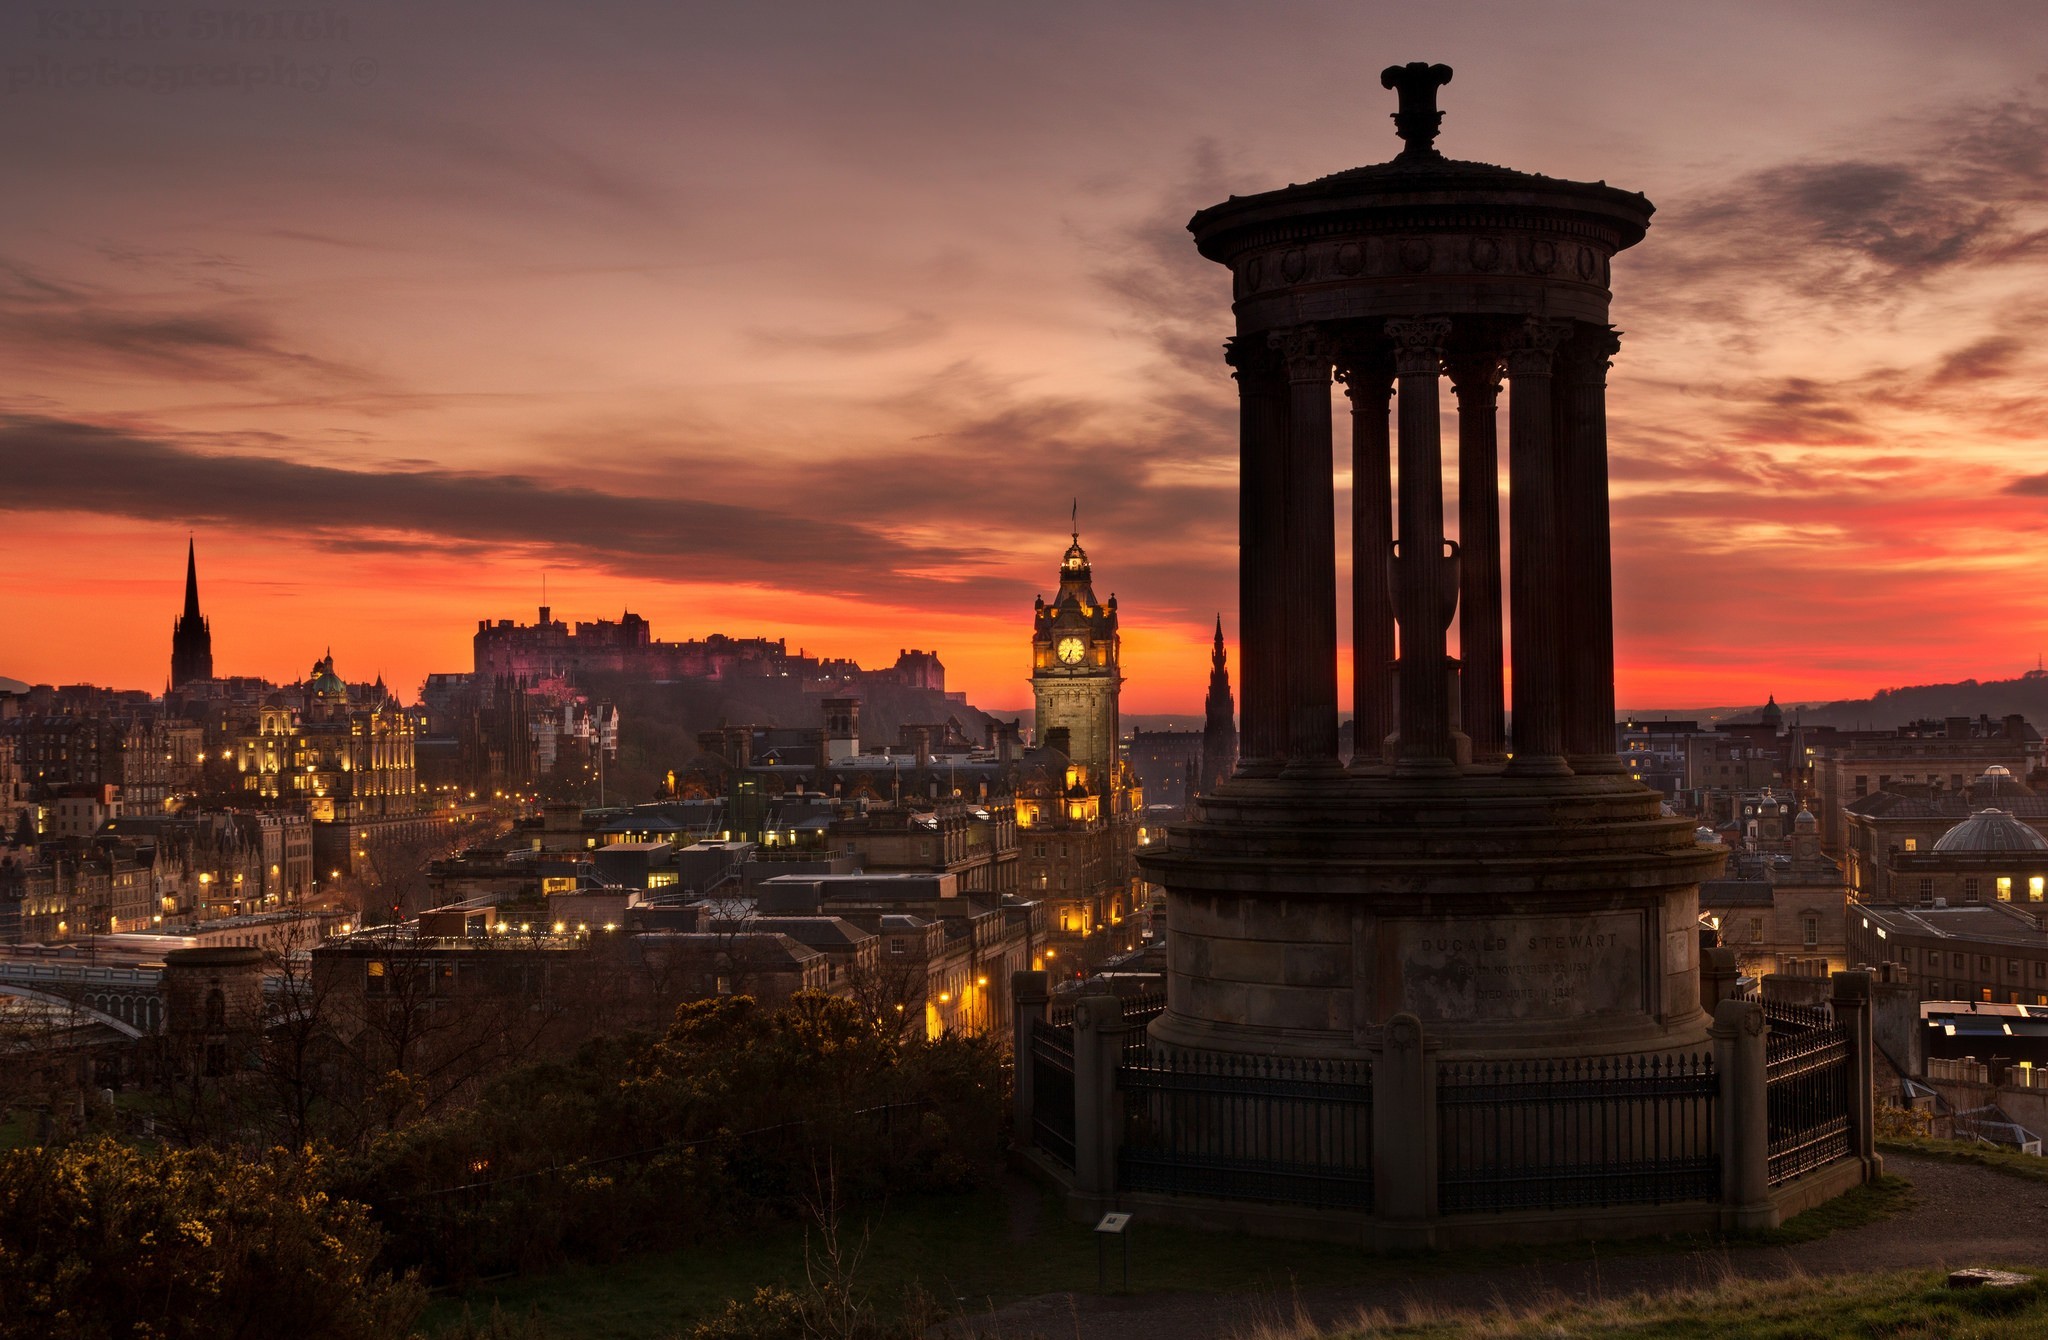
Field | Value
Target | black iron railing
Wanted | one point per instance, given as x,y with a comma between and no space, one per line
1140,1011
1806,1085
1052,1089
1784,1018
1527,1135
1247,1128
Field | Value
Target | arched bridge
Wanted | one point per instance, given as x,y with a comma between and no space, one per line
128,1000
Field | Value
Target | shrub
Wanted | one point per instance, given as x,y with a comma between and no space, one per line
98,1240
736,1116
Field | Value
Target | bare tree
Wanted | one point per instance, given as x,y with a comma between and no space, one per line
296,1060
393,868
891,991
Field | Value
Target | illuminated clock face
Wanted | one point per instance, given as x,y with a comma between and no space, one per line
1071,650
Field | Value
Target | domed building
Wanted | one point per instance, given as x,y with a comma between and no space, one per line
1989,857
343,755
1990,830
1967,915
1903,842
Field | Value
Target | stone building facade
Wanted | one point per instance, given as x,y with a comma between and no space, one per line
1891,836
1078,829
1941,757
1987,952
1782,912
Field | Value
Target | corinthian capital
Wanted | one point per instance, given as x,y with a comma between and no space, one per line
1367,372
1419,344
1308,352
1475,377
1588,356
1532,350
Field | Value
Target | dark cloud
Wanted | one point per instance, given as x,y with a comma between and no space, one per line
2028,486
58,465
1169,292
47,320
1851,237
1982,360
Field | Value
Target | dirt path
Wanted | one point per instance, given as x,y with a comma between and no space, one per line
1962,1215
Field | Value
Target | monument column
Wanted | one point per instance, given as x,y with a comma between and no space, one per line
1369,382
1261,525
1535,553
1476,380
1589,564
1422,596
1308,638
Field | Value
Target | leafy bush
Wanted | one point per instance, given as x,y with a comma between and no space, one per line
98,1240
736,1116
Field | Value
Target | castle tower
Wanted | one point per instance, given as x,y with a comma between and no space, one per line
1518,897
1219,726
1076,673
191,636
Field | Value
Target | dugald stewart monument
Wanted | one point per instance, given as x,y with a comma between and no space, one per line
1453,987
1514,900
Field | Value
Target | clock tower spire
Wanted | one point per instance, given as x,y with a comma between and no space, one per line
1076,670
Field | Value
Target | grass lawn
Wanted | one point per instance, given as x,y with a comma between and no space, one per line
18,1131
982,1251
1915,1305
1998,1159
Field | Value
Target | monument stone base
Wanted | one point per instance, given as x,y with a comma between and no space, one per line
1514,916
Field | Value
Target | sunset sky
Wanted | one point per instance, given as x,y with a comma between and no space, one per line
809,320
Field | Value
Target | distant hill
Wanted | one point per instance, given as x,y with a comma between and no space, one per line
1995,698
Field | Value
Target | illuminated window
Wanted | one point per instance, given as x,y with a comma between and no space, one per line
2005,888
1912,844
2035,888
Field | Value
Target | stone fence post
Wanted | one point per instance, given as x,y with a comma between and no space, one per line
1851,1001
1030,1000
1099,1030
1720,970
1745,1134
1404,1152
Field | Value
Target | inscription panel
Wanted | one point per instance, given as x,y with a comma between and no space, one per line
1488,969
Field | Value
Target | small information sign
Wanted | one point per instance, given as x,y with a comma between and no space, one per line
1113,1225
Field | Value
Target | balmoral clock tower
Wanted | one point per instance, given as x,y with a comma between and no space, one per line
1075,673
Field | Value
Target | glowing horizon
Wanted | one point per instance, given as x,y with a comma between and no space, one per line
809,326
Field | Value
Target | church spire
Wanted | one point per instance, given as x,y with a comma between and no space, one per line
1219,727
191,637
191,578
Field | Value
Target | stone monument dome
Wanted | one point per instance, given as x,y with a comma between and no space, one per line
1990,830
1516,896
